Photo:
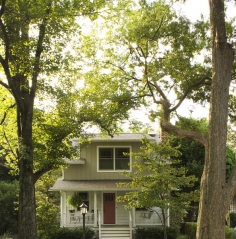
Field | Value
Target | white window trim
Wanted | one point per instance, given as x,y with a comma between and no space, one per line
110,146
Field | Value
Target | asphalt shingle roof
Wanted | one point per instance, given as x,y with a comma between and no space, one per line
88,185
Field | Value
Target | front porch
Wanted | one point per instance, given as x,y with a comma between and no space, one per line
101,212
105,215
106,231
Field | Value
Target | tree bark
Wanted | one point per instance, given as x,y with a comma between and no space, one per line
27,205
215,193
213,206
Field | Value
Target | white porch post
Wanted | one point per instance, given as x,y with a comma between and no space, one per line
63,209
95,210
168,217
133,217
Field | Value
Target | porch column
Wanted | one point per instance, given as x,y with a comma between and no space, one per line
168,217
133,217
63,209
95,210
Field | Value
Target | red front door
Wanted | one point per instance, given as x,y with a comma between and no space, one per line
109,208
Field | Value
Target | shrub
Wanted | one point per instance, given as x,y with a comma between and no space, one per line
8,206
230,233
155,232
191,228
172,232
47,217
66,233
232,219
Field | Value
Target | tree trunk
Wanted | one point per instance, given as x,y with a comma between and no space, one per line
27,205
27,212
213,206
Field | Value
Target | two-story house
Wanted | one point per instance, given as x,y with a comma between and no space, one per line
94,176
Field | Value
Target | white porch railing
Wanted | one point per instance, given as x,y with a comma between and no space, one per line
76,219
130,224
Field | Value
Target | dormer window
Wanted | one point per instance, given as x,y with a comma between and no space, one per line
113,158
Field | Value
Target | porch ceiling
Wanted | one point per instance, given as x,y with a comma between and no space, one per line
89,185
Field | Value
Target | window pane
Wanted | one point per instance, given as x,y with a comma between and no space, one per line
122,164
122,161
106,164
106,159
120,153
106,153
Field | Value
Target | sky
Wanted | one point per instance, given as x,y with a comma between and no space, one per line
194,8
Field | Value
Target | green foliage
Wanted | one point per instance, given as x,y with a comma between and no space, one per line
66,233
230,160
47,203
37,38
192,153
74,200
191,124
230,233
155,232
47,215
140,45
159,183
191,228
8,207
232,217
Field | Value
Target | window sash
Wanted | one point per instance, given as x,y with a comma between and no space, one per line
113,158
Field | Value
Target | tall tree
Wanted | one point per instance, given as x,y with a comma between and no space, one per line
157,55
34,38
216,194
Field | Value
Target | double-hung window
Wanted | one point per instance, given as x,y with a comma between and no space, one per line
113,158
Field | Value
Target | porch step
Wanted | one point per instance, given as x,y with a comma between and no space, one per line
115,233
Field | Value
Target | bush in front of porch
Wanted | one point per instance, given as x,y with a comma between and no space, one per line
191,227
156,232
67,233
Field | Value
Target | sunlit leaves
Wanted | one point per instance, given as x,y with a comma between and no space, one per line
158,183
150,48
8,136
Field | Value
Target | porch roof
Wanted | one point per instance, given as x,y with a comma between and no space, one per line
89,185
121,137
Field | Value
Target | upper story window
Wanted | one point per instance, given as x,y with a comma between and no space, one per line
113,158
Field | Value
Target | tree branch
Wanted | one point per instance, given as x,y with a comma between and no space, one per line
201,82
41,172
4,85
185,134
5,166
5,113
39,50
9,145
